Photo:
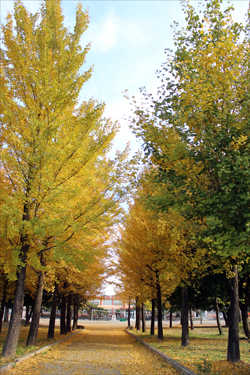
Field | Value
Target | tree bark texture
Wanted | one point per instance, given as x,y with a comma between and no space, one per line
69,313
160,330
143,318
233,349
76,302
63,327
3,302
184,314
51,330
31,340
152,327
218,316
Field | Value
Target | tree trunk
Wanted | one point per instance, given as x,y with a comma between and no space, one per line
152,328
170,319
6,315
137,316
160,329
184,314
51,330
27,315
11,342
76,299
233,349
69,313
245,319
129,312
218,316
244,294
191,319
63,327
143,318
31,340
225,318
3,303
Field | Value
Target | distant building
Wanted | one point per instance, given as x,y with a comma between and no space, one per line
112,304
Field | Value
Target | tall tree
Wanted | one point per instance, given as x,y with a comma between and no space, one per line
47,136
198,136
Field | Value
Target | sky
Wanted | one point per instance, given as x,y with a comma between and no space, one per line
128,39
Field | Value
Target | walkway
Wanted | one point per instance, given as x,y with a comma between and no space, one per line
101,349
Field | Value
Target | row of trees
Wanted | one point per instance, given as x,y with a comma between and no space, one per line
59,191
196,140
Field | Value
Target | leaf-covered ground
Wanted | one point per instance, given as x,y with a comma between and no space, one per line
207,349
100,349
22,349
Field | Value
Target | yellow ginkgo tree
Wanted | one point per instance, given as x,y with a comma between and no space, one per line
50,142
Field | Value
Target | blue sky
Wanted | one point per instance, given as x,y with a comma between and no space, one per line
128,41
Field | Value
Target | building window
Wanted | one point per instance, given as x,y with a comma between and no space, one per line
95,302
117,302
107,302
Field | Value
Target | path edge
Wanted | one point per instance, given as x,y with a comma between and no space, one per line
179,367
25,357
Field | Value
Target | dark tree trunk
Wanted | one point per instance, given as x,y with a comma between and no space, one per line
63,327
245,319
129,312
218,316
6,315
233,349
152,328
160,329
225,318
51,330
69,313
184,314
27,316
76,301
244,289
11,342
191,319
3,303
170,319
31,340
137,316
143,318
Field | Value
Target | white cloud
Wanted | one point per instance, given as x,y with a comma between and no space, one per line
112,31
104,36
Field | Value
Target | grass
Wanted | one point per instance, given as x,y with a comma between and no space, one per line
22,348
206,353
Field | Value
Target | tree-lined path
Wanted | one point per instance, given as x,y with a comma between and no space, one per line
100,349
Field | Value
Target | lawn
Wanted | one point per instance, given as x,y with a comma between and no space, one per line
206,353
22,348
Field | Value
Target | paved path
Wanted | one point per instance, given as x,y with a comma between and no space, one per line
104,349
